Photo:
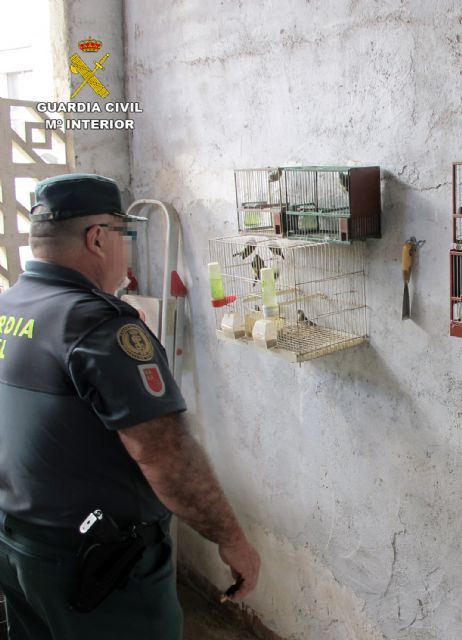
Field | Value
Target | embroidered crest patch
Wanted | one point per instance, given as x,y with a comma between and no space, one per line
135,342
152,379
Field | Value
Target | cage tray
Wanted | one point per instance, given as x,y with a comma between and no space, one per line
297,343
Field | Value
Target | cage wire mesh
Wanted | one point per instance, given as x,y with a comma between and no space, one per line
259,200
456,288
455,254
317,203
457,201
320,291
3,620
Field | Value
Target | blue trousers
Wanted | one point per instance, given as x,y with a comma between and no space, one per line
37,565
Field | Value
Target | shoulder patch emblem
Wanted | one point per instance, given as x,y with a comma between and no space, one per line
135,342
152,379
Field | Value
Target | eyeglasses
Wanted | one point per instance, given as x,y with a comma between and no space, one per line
124,229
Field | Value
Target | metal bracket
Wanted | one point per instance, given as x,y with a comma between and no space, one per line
416,244
90,520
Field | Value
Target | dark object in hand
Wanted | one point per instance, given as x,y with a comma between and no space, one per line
231,591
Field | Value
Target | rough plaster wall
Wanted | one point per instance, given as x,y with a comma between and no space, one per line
346,470
104,152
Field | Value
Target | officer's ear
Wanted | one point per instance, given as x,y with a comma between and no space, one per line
94,240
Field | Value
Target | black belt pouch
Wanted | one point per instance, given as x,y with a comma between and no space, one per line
102,567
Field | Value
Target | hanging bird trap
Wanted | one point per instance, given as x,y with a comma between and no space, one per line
300,300
328,204
332,204
259,200
455,254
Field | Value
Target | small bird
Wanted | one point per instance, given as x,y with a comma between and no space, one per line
274,175
257,265
302,319
277,251
345,180
249,248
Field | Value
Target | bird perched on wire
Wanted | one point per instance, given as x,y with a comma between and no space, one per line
345,180
274,175
247,251
257,265
277,251
302,319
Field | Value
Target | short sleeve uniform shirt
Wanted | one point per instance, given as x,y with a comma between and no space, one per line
76,365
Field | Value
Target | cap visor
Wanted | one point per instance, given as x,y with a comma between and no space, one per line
130,217
136,218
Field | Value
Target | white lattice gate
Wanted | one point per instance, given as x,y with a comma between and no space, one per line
30,150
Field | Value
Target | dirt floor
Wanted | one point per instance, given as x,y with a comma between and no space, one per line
206,621
203,620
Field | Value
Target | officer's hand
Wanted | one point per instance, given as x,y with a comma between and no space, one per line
245,565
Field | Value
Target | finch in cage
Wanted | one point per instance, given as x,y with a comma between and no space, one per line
274,175
257,265
302,319
249,248
345,181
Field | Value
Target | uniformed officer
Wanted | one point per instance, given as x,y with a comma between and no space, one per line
92,419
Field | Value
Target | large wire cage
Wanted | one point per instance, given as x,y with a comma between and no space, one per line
320,291
328,204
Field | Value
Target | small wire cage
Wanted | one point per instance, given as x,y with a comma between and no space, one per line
457,202
259,200
455,254
332,204
328,204
320,291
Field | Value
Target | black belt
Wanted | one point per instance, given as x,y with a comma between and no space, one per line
70,538
149,532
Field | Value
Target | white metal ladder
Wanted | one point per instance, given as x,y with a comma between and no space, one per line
173,291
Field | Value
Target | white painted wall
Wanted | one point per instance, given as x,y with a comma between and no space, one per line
345,471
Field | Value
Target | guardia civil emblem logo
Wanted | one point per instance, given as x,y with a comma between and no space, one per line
135,342
88,76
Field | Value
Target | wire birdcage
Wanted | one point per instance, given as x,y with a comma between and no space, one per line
259,200
332,204
457,202
320,290
455,254
328,204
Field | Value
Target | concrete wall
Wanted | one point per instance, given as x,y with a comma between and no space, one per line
345,471
104,152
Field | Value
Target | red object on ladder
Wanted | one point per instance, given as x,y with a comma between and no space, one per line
177,287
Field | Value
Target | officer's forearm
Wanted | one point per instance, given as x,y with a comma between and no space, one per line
178,470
